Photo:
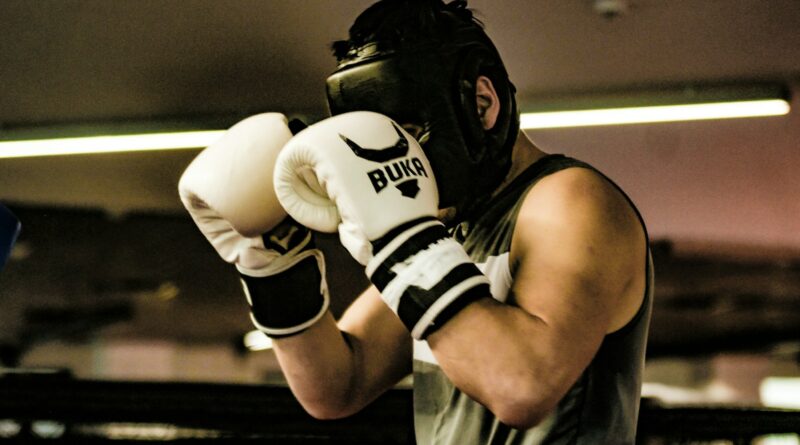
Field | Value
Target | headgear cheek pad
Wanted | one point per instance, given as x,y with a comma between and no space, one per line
433,85
9,229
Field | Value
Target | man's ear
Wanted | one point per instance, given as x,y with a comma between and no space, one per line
488,102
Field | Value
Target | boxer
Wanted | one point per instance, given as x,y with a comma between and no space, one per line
514,284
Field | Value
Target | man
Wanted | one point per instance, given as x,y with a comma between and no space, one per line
527,326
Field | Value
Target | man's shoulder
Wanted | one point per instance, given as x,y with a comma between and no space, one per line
573,188
576,202
582,229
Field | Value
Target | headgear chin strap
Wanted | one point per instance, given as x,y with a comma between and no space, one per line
432,83
9,230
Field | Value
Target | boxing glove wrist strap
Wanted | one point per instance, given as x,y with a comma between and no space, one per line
424,275
290,294
289,302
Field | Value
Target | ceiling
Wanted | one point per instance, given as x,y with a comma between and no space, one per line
90,60
94,62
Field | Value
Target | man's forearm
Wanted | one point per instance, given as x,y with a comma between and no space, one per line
319,366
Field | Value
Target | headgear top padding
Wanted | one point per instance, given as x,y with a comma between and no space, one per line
431,82
9,229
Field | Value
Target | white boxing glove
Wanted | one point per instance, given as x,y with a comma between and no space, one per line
360,173
228,191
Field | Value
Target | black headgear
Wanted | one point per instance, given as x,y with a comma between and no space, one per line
431,82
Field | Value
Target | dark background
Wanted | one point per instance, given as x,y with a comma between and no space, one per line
111,279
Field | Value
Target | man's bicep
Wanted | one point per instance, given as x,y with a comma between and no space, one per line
568,264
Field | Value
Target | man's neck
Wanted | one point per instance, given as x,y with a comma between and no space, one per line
523,155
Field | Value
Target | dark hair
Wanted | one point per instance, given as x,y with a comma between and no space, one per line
395,23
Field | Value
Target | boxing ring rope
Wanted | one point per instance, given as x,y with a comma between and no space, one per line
56,406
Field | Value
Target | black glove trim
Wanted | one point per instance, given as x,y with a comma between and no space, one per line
289,302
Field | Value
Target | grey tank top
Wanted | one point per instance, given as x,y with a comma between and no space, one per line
600,408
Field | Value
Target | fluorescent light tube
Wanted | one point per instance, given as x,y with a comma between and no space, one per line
108,144
702,103
781,392
661,113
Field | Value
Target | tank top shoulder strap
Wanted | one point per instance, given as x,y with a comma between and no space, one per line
554,163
